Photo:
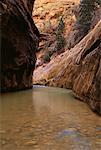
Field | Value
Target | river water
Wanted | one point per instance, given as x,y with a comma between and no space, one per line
46,118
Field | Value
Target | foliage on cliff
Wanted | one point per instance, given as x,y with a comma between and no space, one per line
78,69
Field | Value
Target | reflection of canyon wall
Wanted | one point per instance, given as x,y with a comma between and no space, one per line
78,69
52,100
19,41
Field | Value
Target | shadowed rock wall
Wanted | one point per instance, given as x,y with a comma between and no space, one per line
19,41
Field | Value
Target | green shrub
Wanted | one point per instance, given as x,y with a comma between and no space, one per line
47,56
60,40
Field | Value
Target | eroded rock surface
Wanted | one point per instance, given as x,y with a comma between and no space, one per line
78,69
88,15
19,41
47,14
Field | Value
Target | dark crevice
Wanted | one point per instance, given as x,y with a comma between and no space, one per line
93,47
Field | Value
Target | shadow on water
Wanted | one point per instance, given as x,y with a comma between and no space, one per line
47,118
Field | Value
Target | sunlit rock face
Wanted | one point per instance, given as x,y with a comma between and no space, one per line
87,16
19,41
78,69
87,84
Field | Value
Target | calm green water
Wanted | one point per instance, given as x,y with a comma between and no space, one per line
46,118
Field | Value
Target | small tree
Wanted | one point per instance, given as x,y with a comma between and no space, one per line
59,35
86,12
84,21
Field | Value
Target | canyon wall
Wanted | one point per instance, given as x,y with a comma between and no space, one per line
78,69
19,41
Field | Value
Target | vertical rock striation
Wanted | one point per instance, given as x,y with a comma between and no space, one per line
19,41
88,15
78,69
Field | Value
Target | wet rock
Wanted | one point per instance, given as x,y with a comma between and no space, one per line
2,132
30,143
19,41
3,142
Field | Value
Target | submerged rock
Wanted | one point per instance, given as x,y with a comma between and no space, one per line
19,41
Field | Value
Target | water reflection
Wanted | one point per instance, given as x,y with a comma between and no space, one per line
47,118
52,100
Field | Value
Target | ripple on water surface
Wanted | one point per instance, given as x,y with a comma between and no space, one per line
47,118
